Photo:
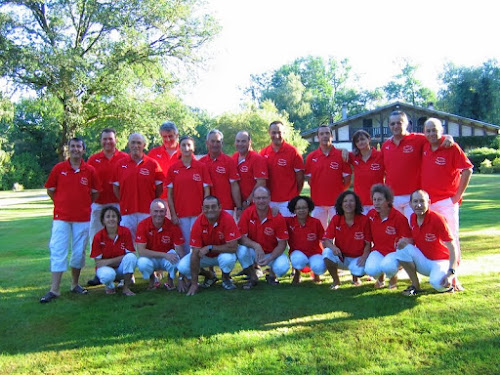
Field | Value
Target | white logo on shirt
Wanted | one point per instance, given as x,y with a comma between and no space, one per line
311,237
268,231
359,236
64,173
314,160
97,160
391,231
84,181
375,167
196,177
440,160
220,169
252,222
281,162
337,228
334,165
244,169
144,171
430,237
408,149
165,239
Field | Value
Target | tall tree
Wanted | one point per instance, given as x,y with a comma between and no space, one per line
407,87
311,89
82,51
472,92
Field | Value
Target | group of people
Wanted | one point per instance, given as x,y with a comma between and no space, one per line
185,216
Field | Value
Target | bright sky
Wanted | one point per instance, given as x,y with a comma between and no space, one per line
262,35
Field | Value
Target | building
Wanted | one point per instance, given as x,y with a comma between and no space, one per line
375,122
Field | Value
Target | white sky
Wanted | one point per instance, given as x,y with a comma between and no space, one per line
262,35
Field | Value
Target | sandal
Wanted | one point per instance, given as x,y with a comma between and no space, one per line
250,284
169,287
392,286
272,280
334,286
48,297
379,284
79,290
110,290
155,286
356,283
209,282
128,293
411,291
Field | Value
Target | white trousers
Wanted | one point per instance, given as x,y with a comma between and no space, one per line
324,214
132,221
435,269
315,262
246,256
147,266
225,261
64,232
186,223
449,211
348,263
107,275
402,204
282,207
376,264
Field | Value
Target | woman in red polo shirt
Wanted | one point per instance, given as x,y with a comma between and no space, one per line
347,239
113,252
368,164
388,226
304,238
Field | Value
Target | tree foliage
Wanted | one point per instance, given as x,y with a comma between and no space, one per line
406,87
472,92
311,90
84,52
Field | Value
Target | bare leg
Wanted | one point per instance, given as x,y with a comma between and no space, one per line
75,277
296,277
56,283
411,270
195,270
333,270
127,278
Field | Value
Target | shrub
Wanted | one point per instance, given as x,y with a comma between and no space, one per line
485,167
478,155
496,165
26,170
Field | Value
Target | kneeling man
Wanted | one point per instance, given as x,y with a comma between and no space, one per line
263,240
214,240
434,253
159,243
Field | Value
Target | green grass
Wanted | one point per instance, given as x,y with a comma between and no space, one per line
306,329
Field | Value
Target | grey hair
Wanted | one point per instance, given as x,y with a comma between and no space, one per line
157,200
215,131
137,135
168,126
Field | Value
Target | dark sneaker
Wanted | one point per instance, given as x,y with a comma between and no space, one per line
228,284
94,282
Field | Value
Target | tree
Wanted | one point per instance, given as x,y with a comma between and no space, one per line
84,52
311,90
256,121
472,92
408,88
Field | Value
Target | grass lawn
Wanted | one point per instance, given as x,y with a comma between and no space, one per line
304,329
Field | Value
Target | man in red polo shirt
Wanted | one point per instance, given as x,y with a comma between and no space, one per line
214,240
403,159
263,240
251,166
72,185
158,242
434,253
138,179
328,175
104,164
168,152
223,173
286,169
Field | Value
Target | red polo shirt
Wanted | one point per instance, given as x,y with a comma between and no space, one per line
222,171
326,175
73,190
165,160
441,170
104,247
161,239
431,235
386,234
137,183
349,239
187,184
367,173
224,230
105,169
250,169
282,166
307,237
266,233
403,163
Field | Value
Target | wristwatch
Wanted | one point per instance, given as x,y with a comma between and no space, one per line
452,271
210,248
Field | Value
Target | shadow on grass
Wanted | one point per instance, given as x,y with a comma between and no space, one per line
98,320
